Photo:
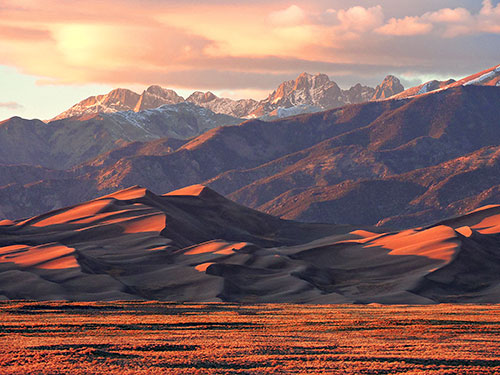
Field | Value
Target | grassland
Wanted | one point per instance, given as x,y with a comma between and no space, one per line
159,338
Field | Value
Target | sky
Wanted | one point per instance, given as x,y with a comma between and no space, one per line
55,53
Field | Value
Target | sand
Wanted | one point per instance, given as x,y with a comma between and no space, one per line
194,245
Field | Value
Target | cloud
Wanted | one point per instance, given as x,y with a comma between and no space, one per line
23,33
405,27
447,22
223,44
447,15
360,19
293,15
489,18
11,105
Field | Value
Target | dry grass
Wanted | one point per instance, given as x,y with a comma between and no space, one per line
151,338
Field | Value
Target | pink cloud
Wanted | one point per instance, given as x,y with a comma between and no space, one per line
405,27
447,22
293,15
359,19
447,15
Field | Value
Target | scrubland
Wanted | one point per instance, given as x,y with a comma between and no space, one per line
222,338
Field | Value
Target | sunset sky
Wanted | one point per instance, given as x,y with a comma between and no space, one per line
55,53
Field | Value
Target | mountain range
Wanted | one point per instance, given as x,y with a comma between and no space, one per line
194,245
397,162
307,93
62,144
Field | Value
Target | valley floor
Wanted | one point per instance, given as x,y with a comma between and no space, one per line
222,338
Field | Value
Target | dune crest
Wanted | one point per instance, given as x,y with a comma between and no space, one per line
132,192
194,190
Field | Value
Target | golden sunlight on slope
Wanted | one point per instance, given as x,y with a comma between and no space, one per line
489,225
439,243
88,210
484,220
50,256
216,247
203,266
193,190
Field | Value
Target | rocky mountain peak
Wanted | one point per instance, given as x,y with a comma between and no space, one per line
320,80
116,100
199,97
307,81
164,93
303,81
390,86
156,96
119,97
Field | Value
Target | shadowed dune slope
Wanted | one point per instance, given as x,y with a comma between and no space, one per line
194,245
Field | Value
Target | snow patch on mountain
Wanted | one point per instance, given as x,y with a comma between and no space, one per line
182,121
484,78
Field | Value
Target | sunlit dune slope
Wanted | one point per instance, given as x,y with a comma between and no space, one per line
194,245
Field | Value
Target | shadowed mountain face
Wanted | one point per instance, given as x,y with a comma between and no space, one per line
64,143
395,162
195,245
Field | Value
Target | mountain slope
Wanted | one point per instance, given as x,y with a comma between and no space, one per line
301,167
116,100
237,108
65,143
488,77
181,121
257,162
194,245
121,100
315,167
156,96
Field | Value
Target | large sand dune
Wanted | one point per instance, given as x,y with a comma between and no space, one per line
194,245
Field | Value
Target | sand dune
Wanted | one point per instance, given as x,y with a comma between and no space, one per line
193,190
194,245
